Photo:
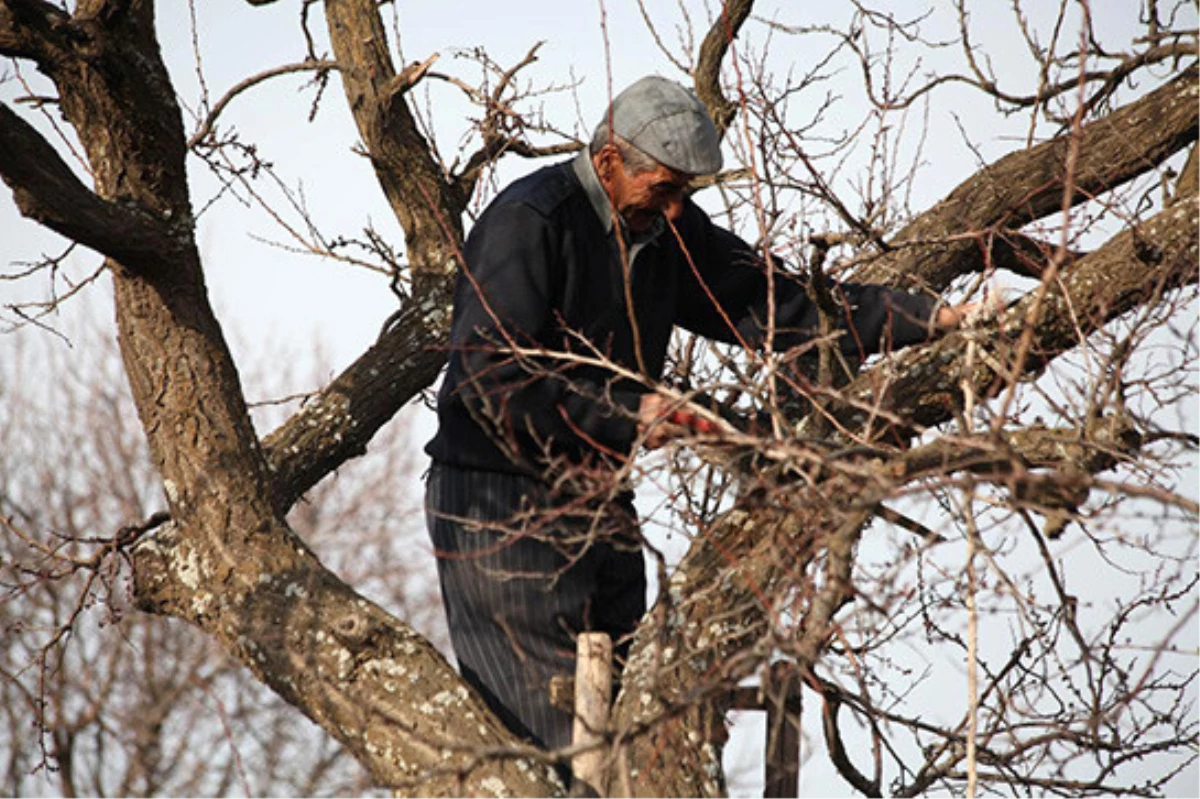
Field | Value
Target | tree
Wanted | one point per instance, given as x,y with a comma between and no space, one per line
136,705
1062,704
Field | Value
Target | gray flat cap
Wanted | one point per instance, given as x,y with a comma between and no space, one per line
668,123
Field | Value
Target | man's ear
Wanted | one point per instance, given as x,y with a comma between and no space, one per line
606,160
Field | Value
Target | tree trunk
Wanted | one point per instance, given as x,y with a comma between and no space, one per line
227,562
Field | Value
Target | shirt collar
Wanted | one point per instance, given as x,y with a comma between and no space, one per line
585,170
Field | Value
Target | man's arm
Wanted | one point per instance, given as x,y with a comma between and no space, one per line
726,290
726,300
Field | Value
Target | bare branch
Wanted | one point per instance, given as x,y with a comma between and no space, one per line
206,126
837,748
1027,185
501,145
502,127
1182,45
1097,289
782,564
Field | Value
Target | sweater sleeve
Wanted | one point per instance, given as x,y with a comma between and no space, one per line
725,290
502,339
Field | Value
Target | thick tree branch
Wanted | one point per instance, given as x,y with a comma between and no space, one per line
46,190
1163,119
953,237
337,424
230,565
424,201
30,28
104,10
366,677
1134,267
712,52
315,442
1189,177
698,637
227,562
1095,449
708,629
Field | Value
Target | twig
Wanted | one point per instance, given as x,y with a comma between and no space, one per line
206,127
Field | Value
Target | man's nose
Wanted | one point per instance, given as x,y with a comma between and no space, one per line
672,209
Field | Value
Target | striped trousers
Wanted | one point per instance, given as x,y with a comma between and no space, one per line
522,572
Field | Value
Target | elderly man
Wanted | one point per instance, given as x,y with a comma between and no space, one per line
573,280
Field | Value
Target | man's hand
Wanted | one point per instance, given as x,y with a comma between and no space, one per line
654,422
950,317
661,419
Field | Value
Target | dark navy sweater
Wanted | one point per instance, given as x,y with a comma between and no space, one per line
544,281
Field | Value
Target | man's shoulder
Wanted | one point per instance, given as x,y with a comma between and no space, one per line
545,191
694,218
703,236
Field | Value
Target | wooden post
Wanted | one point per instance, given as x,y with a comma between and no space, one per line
783,734
593,696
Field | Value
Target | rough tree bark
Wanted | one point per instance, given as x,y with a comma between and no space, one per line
712,627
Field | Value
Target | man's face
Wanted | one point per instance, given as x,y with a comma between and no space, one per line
641,198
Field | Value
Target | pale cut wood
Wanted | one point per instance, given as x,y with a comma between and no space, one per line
593,697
